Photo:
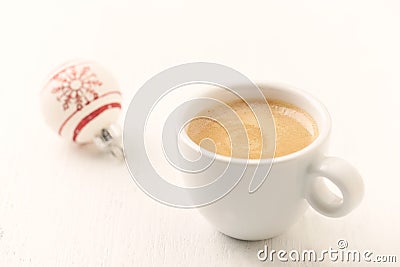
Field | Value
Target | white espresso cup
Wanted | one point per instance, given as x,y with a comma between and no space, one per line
294,181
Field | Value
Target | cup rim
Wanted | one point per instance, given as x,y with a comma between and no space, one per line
322,135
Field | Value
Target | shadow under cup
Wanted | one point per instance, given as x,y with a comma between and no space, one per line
255,208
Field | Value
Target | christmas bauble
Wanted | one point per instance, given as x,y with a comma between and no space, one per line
80,99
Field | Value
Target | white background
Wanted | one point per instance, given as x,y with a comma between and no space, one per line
61,205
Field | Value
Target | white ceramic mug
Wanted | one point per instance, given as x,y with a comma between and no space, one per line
293,183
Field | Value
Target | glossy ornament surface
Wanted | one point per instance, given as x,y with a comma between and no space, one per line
79,99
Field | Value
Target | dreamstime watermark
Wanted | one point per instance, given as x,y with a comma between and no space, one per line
140,109
340,253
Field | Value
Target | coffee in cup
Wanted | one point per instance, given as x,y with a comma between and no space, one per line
218,131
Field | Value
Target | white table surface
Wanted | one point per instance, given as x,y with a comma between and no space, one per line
61,205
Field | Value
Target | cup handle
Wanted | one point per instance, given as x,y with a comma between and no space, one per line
344,176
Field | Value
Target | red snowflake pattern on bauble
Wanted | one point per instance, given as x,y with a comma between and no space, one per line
76,86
